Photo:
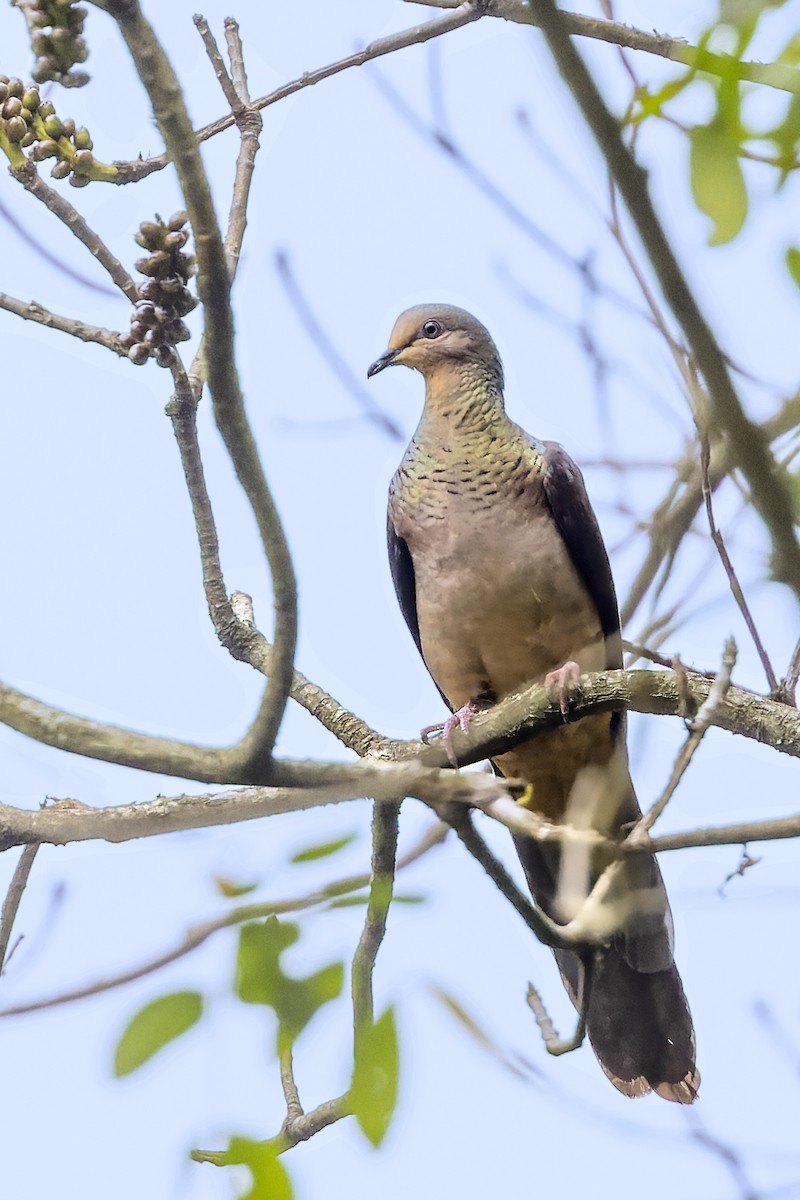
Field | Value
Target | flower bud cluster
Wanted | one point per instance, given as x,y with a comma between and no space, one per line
29,122
56,29
164,298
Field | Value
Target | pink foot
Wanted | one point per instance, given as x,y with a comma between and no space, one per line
563,684
459,720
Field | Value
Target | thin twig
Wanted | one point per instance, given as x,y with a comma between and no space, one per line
8,913
746,861
385,819
29,177
236,916
169,109
464,14
553,1043
55,260
751,452
294,1109
485,183
327,348
698,728
206,764
32,311
783,77
787,689
730,571
542,927
218,63
300,785
595,913
233,41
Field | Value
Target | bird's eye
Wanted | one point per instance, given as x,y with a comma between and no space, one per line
431,329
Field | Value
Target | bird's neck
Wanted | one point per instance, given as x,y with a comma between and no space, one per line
462,400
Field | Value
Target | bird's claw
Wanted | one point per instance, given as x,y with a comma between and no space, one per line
458,720
563,684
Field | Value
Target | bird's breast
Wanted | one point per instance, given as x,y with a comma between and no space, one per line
499,600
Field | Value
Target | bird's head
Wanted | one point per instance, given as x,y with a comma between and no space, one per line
432,337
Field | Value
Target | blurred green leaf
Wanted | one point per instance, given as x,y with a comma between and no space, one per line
786,137
260,979
373,1090
717,181
794,487
791,51
650,104
352,901
270,1180
793,263
230,890
322,850
157,1023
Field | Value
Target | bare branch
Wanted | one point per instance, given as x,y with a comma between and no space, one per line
725,558
777,75
11,903
788,686
39,247
414,769
128,748
218,63
698,728
28,176
463,14
553,1043
31,311
172,117
384,850
235,916
769,489
328,350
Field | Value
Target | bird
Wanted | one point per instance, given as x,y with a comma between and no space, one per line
502,576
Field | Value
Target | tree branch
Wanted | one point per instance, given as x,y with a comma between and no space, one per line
32,311
777,75
396,769
8,914
464,14
170,112
768,487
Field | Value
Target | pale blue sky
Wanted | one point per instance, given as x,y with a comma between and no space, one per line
103,613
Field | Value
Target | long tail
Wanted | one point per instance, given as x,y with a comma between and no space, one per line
638,1020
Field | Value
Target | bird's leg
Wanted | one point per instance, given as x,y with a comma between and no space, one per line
563,684
460,719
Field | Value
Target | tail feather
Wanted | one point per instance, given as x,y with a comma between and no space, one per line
638,1020
639,1026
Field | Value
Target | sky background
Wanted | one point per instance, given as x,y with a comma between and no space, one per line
104,614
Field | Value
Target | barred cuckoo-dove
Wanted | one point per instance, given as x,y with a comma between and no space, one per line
502,577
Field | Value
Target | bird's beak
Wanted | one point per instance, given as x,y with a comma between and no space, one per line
385,360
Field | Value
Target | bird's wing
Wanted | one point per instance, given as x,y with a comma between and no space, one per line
566,497
402,568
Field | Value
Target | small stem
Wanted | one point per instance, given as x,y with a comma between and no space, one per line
8,913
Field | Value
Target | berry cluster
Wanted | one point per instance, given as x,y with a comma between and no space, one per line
56,29
28,121
164,298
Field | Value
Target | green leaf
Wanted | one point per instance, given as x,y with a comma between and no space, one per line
793,263
322,850
717,180
373,1090
157,1023
230,889
270,1180
260,979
